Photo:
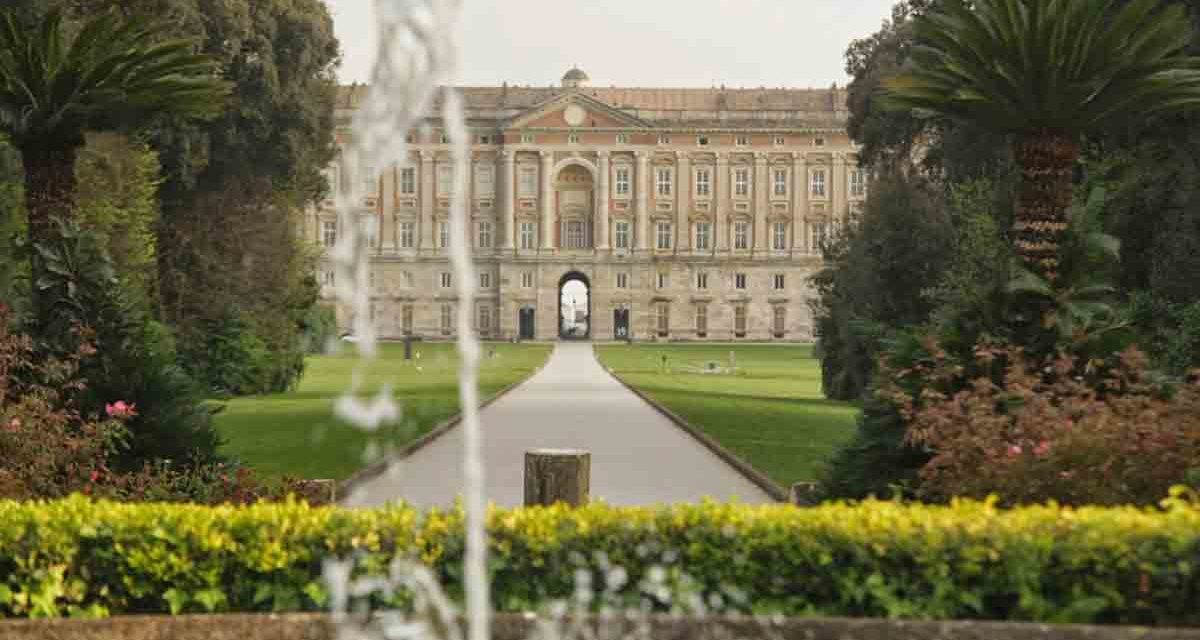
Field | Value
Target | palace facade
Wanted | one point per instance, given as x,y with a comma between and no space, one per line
689,214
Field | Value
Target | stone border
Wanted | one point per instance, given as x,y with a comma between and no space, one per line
753,475
379,467
515,626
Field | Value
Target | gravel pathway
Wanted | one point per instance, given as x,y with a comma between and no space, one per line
638,455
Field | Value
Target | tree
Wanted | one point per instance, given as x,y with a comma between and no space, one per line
1045,72
56,83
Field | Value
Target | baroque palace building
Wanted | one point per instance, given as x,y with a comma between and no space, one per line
689,214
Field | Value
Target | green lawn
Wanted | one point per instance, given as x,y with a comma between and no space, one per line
771,413
296,433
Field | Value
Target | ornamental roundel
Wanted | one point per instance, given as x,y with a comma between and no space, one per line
574,115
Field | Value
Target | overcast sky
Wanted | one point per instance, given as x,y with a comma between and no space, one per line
651,43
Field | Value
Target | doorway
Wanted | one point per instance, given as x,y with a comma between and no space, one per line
574,307
621,323
525,323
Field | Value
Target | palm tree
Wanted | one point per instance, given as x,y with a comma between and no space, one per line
58,81
1048,71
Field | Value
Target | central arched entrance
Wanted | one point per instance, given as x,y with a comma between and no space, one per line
574,306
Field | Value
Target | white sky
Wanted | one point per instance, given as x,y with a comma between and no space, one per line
651,43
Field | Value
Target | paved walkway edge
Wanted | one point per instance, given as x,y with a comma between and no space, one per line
377,468
753,475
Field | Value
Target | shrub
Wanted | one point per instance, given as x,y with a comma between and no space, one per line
968,560
1048,430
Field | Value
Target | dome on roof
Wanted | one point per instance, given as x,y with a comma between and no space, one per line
575,77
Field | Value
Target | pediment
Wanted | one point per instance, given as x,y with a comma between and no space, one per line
575,111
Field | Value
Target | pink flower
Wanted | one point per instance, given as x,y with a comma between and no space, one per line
119,410
1041,449
1014,451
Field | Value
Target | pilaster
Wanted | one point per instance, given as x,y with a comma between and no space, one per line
683,197
639,186
547,196
508,206
721,228
799,203
762,183
428,243
602,198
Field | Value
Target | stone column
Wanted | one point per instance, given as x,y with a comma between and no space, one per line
428,192
640,193
601,233
722,179
508,203
837,190
762,182
683,199
547,203
386,218
799,203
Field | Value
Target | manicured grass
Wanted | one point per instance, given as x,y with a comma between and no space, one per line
771,413
297,434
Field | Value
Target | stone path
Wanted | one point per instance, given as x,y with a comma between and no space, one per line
638,455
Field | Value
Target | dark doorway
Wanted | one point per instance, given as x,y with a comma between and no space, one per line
525,320
574,307
621,324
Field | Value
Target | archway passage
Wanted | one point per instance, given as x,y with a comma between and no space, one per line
574,307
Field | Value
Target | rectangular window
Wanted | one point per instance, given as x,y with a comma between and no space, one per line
327,278
528,182
663,181
329,233
407,234
446,279
408,279
485,139
858,186
483,180
622,181
739,281
408,181
526,139
406,319
777,281
741,235
622,234
664,235
741,182
444,235
664,139
447,319
664,319
528,235
818,142
781,182
702,141
573,138
816,238
703,232
703,183
370,181
742,141
622,280
369,228
485,234
701,320
664,280
780,321
701,280
485,280
526,280
445,175
622,138
818,183
780,141
445,139
576,234
485,318
739,321
779,236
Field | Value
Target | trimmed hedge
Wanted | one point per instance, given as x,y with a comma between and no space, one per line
968,560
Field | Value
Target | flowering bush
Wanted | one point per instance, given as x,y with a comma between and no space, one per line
1078,433
48,449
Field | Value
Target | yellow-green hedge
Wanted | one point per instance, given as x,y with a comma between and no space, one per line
971,560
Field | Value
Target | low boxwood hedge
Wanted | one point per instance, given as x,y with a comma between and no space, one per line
967,560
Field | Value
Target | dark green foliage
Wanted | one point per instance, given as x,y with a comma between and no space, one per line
1170,332
874,276
320,326
135,359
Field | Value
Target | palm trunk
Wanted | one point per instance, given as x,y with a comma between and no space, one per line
1047,162
49,193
